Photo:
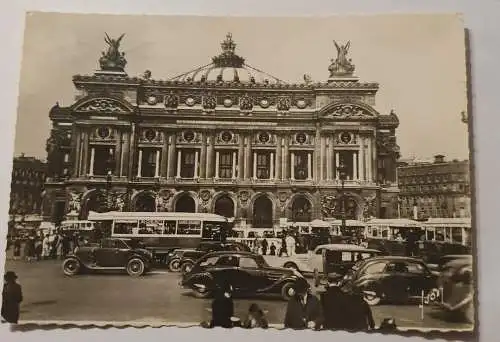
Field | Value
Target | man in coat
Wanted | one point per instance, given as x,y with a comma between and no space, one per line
12,296
303,310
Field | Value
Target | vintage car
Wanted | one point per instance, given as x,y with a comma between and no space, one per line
441,263
189,257
111,254
339,259
391,278
456,282
247,273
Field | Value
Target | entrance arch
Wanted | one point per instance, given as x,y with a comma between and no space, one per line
224,206
94,200
185,204
145,202
263,212
301,209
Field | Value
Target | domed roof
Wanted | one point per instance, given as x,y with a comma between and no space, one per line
228,68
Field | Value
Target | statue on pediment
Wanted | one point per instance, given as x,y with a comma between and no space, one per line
341,66
113,59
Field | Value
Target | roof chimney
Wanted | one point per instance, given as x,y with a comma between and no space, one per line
439,158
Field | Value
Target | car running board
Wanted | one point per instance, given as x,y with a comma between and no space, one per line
106,268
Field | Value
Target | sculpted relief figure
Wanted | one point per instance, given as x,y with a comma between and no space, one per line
328,205
113,59
75,202
342,66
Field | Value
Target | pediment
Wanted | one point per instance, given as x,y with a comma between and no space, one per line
102,105
348,110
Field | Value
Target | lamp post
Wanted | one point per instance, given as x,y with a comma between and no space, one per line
342,175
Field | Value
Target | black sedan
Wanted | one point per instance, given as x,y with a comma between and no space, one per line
391,278
247,273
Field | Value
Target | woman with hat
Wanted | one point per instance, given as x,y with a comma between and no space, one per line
12,296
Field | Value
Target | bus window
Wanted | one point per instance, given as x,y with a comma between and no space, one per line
158,227
456,235
123,228
440,234
430,235
189,228
447,234
146,226
385,233
169,227
375,232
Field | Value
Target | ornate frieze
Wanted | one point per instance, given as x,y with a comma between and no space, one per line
264,138
103,105
188,137
150,136
283,103
246,103
346,138
348,110
226,138
103,134
171,101
302,139
209,102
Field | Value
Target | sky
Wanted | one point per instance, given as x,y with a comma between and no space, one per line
418,60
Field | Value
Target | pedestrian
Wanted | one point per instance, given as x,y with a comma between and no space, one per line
290,245
45,247
38,248
222,307
264,246
255,318
303,309
65,246
29,249
12,296
272,249
17,248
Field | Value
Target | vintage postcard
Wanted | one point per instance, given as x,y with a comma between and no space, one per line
303,173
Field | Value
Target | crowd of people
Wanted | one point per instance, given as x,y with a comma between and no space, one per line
336,308
43,246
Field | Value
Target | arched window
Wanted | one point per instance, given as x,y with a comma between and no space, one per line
185,204
263,213
224,206
145,202
301,209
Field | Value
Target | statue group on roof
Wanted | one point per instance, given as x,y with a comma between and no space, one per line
341,66
113,59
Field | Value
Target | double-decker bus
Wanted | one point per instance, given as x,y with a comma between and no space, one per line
161,232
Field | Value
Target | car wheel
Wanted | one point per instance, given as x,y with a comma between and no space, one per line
201,288
71,266
187,266
371,297
288,291
135,267
291,265
174,265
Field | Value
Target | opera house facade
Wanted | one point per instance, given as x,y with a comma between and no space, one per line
225,138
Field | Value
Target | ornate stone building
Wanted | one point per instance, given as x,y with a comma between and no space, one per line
28,177
224,138
435,189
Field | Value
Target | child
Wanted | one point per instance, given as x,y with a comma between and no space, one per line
256,318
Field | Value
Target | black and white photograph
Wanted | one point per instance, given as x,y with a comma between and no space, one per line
238,172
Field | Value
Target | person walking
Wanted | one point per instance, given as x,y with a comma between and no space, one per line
12,296
29,249
272,249
303,310
17,248
222,307
38,248
264,246
290,245
45,247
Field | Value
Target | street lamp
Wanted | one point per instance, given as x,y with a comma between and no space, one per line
342,175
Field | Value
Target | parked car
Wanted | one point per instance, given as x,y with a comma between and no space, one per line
456,282
441,263
174,257
247,273
111,254
339,259
189,258
391,278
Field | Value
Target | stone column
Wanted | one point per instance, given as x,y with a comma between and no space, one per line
309,165
248,162
210,157
362,159
271,169
164,156
77,149
316,162
92,157
369,160
157,164
125,154
118,153
217,155
292,167
241,156
196,163
233,171
286,158
254,173
139,163
337,164
85,161
354,166
179,159
322,167
279,164
203,156
132,148
330,159
171,167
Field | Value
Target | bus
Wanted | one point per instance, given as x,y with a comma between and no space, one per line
429,239
162,232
